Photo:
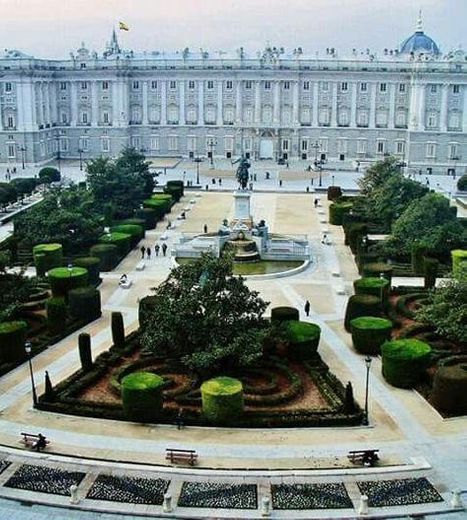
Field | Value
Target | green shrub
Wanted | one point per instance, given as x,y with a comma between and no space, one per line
63,279
136,232
303,338
334,192
337,210
149,215
57,315
134,222
459,264
46,257
85,303
450,386
121,240
160,203
222,400
462,183
145,309
417,254
24,185
118,329
369,333
142,396
375,269
107,254
375,286
8,193
174,188
354,234
430,271
404,361
361,305
284,314
49,174
12,340
92,264
85,354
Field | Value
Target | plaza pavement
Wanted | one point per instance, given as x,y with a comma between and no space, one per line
410,434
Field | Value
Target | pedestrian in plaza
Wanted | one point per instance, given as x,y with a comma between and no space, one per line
156,249
316,203
280,183
148,253
220,182
267,175
213,181
254,177
183,215
143,251
179,420
169,224
427,182
205,227
324,238
164,248
14,169
287,165
307,308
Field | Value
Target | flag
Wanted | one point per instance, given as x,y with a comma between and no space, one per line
123,26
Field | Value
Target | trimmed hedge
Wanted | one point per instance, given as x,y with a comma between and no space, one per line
354,233
46,257
222,400
92,265
303,338
459,263
450,386
174,188
430,270
12,340
57,315
285,314
417,254
135,231
337,210
121,240
375,286
375,269
63,279
160,203
369,333
404,361
85,353
107,254
132,221
49,174
361,305
334,192
142,396
462,183
85,303
148,215
118,329
145,309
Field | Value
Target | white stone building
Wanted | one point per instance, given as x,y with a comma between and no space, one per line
410,102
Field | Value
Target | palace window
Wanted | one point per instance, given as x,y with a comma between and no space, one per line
362,118
401,87
325,86
248,85
304,145
173,143
229,144
135,142
432,121
306,85
285,144
383,87
191,85
10,121
153,84
267,85
453,151
105,144
84,118
344,86
210,85
455,89
63,144
105,118
62,85
173,85
433,89
11,150
431,150
105,85
361,146
64,117
454,120
191,143
83,143
229,84
286,85
363,87
135,85
8,87
400,147
154,142
379,147
84,85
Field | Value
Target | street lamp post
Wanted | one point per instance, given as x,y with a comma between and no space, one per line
22,149
197,161
28,349
211,144
80,151
320,166
365,412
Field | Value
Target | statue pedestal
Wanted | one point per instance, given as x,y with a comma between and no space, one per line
242,214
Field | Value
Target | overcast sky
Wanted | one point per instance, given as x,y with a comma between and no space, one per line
52,28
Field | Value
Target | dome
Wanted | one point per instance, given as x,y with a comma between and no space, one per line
419,42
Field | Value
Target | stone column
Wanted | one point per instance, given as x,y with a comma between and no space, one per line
392,104
116,102
443,115
125,112
220,117
40,100
94,104
238,104
53,104
48,119
372,121
163,84
257,102
145,119
421,107
315,104
276,117
334,104
182,118
295,106
353,104
201,102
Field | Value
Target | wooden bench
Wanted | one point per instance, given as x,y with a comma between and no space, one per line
182,456
363,457
30,439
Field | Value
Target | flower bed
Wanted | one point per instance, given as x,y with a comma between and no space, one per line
310,496
218,495
132,490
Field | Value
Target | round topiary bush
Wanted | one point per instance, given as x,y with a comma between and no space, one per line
63,279
334,192
149,215
174,188
135,231
57,315
374,286
459,263
404,361
107,254
222,400
369,333
121,240
449,393
12,340
462,183
85,303
375,269
361,305
285,314
141,394
92,264
303,338
49,174
337,210
46,257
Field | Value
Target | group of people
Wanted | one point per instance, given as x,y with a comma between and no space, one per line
146,251
9,173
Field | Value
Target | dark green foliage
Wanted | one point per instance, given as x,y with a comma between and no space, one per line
174,188
149,215
134,222
136,232
63,279
371,285
8,193
334,192
49,174
146,308
462,183
450,386
361,305
418,252
376,269
284,314
108,255
46,257
118,329
354,234
56,315
349,401
12,339
121,240
48,391
303,338
404,361
142,396
369,333
92,264
459,264
85,354
24,185
337,210
430,270
85,303
160,203
222,400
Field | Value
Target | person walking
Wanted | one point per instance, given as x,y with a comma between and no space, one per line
205,228
156,249
307,308
164,248
143,251
316,203
148,253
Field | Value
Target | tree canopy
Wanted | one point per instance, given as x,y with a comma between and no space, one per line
377,174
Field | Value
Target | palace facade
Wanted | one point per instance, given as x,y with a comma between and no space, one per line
410,102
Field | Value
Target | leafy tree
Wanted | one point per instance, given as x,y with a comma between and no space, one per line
446,310
377,174
206,317
133,162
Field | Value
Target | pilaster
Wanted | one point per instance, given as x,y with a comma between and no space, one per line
145,120
392,104
334,104
74,103
276,118
372,122
201,102
94,104
219,118
315,104
257,102
163,102
182,117
238,103
353,104
443,116
295,106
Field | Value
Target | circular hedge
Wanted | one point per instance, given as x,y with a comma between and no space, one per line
361,305
404,361
63,279
107,254
12,339
369,333
92,264
459,263
46,257
49,174
303,338
337,210
121,240
462,183
285,314
135,231
85,303
222,400
141,394
375,269
371,285
149,215
450,386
